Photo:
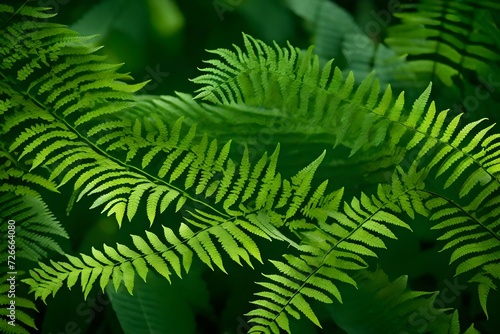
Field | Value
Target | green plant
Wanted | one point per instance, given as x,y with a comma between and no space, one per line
71,124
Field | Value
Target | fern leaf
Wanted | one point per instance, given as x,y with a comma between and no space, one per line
442,47
330,252
473,239
122,263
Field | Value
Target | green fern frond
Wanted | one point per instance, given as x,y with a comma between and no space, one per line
466,155
448,40
289,80
20,316
473,237
29,226
69,115
73,108
374,120
332,250
254,217
202,166
166,257
321,97
85,94
35,226
61,84
21,202
28,231
256,127
337,36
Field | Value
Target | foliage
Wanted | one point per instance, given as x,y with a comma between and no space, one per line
183,165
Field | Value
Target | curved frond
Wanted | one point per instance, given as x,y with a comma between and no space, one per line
166,255
334,249
473,238
329,98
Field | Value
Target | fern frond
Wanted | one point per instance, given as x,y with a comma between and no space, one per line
254,217
165,256
448,40
466,155
257,128
21,202
69,113
473,238
332,250
35,226
28,231
81,107
319,96
74,97
22,307
337,36
370,120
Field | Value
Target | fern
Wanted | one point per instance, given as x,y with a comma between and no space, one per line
327,92
332,249
34,225
123,262
35,228
380,305
337,36
421,130
294,82
473,236
71,124
449,41
23,307
119,185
